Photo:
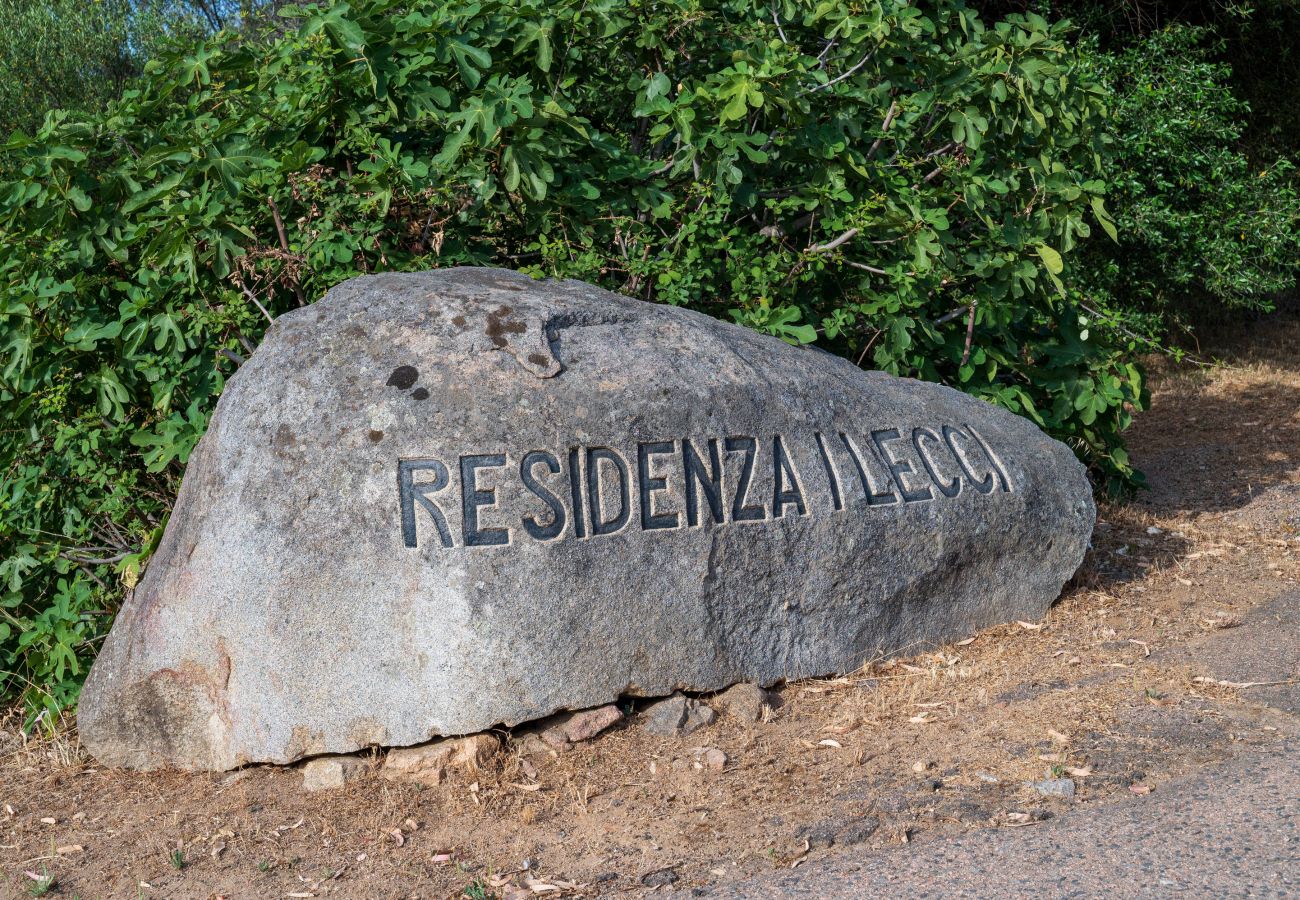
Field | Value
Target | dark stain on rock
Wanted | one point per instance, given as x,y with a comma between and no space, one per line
420,394
403,377
499,326
284,439
376,436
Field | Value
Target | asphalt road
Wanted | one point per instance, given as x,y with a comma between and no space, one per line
1230,831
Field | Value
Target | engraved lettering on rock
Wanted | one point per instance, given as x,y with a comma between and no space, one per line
581,493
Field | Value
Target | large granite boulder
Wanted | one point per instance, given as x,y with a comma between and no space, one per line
433,503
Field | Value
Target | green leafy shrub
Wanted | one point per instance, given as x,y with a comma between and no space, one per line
1202,227
902,185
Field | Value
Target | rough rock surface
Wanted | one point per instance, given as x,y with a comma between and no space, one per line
376,541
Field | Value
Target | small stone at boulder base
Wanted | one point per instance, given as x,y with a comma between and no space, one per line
698,715
428,763
581,726
502,498
745,702
677,715
666,718
1055,787
326,773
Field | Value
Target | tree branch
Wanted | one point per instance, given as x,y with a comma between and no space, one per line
889,120
836,80
970,332
831,245
284,245
949,316
251,296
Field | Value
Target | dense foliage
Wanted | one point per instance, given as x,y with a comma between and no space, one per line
73,54
905,185
1204,228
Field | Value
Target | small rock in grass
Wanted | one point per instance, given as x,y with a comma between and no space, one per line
428,763
326,773
710,758
1054,787
745,702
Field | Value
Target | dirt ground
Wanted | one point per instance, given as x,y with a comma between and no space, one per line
1111,691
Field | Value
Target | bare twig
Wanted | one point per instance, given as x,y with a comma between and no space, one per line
863,354
1150,343
970,332
889,120
253,297
864,267
942,150
849,74
106,561
777,22
284,245
831,245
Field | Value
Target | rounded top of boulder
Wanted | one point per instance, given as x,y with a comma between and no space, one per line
432,503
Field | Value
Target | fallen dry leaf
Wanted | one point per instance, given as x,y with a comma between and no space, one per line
1030,626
